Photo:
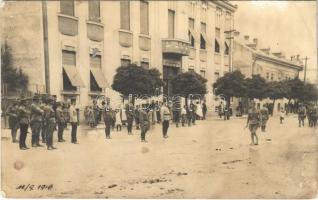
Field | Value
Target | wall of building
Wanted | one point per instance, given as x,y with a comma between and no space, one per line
22,30
28,28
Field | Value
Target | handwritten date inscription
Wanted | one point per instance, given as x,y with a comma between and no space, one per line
30,187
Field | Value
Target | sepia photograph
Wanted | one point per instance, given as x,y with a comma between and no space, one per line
159,99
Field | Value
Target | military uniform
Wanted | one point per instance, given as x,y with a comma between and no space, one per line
253,120
130,118
144,124
13,122
108,120
49,116
23,116
60,119
301,116
264,115
36,123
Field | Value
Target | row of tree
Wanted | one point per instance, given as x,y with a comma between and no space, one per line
235,84
135,80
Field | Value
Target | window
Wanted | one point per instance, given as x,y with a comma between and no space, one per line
191,32
191,70
216,46
94,10
144,17
202,73
217,33
144,64
218,17
68,57
226,50
96,61
272,76
125,62
67,85
125,15
202,36
171,24
93,84
67,7
267,76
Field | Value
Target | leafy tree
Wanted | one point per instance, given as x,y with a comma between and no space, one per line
232,84
295,89
136,80
256,87
276,90
14,79
188,83
310,93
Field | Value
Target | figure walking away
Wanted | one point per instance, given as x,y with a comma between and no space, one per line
253,121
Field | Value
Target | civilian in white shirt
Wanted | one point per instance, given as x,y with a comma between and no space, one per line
73,120
165,116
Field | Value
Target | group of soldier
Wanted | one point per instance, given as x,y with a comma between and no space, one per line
258,118
43,114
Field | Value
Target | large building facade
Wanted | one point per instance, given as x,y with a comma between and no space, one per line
251,59
73,48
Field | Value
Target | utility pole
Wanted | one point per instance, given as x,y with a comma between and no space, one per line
230,48
305,71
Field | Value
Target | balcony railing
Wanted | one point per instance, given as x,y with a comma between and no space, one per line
95,31
175,46
68,25
125,38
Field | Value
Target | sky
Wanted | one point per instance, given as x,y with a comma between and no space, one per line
287,26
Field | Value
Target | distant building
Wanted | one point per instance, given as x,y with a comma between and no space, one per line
251,59
73,48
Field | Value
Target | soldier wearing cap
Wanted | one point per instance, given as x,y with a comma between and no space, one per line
13,120
36,121
144,122
108,118
43,106
253,122
23,117
264,114
61,121
49,116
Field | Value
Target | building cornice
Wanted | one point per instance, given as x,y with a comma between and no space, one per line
225,4
278,61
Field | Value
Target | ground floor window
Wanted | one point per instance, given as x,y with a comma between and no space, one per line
93,84
67,85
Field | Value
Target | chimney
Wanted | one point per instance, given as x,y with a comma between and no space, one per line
297,57
246,37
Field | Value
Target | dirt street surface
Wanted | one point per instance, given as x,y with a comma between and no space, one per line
212,159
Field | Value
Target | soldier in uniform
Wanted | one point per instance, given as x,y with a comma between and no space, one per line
60,120
136,114
130,117
253,121
301,115
144,122
13,121
264,117
108,118
36,121
43,106
49,116
23,117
